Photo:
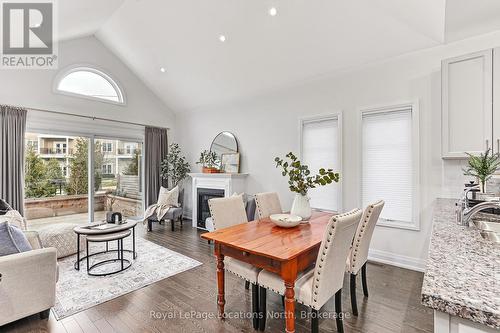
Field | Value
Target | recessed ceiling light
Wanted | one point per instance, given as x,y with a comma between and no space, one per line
273,11
162,69
222,38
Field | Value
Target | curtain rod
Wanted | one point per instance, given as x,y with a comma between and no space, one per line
88,117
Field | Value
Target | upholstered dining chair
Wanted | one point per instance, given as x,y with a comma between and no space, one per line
358,255
268,203
316,286
227,212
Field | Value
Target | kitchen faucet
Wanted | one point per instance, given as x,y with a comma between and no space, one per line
465,215
463,203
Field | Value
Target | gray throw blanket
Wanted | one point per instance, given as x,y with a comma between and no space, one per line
156,209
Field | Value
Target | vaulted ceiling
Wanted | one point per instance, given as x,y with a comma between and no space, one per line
261,52
79,18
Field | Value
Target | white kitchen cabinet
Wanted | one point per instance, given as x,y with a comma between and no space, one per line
445,323
467,104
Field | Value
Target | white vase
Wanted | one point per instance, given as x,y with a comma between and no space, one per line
301,206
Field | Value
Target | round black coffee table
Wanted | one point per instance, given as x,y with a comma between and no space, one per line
91,231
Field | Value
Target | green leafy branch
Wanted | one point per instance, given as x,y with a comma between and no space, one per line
300,178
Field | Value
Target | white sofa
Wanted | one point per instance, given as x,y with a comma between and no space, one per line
28,282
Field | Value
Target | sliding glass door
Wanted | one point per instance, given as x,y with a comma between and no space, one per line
59,187
56,179
117,178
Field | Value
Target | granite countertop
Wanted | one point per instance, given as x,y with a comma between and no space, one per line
463,270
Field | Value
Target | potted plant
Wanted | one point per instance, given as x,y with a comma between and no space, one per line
174,166
209,161
301,181
482,167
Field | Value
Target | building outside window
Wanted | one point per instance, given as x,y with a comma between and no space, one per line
107,169
107,147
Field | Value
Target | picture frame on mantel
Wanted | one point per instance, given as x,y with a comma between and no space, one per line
230,163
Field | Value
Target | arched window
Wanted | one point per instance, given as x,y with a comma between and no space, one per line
88,82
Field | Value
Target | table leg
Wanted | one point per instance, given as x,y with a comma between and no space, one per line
77,252
133,242
87,254
289,275
290,306
220,283
121,249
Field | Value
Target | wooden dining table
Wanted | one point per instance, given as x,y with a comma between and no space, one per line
284,251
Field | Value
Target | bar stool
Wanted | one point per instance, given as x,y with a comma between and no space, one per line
117,236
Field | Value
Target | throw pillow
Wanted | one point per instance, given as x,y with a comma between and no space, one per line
12,240
168,198
15,219
4,207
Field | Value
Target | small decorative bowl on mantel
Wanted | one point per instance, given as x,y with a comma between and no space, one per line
286,220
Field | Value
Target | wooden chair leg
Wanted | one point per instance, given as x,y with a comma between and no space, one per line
255,306
338,311
354,304
150,225
262,308
247,285
314,321
363,279
172,222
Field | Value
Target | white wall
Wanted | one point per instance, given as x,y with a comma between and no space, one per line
33,88
267,126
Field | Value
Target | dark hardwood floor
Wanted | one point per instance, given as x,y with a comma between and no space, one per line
393,305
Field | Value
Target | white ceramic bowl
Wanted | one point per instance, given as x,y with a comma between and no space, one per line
286,220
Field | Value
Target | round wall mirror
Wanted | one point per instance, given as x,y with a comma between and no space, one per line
224,143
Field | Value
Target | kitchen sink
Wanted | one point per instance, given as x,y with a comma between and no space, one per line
487,225
491,236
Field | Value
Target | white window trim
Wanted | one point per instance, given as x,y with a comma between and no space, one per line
94,69
331,116
415,120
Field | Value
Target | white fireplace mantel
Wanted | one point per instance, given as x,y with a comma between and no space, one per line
228,182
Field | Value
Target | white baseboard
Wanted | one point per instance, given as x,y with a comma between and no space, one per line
415,264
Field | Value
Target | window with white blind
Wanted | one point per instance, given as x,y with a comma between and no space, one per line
390,163
321,148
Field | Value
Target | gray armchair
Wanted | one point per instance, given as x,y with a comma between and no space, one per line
174,214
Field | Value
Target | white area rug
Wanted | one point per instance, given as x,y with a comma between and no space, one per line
76,291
